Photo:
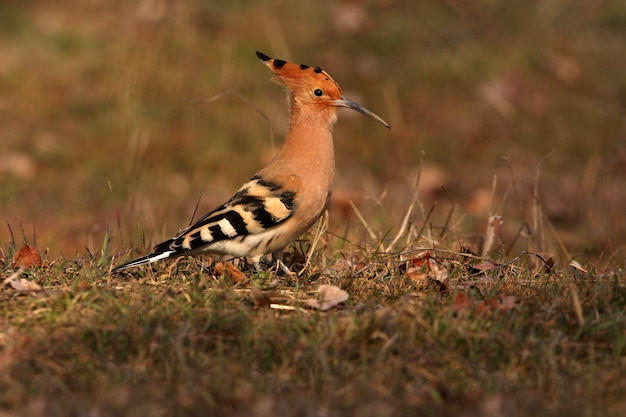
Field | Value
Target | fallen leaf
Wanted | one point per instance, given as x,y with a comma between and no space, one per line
483,308
493,303
421,258
507,303
328,297
417,262
577,265
83,284
27,257
549,265
415,274
502,305
226,268
484,266
439,271
348,265
461,302
24,285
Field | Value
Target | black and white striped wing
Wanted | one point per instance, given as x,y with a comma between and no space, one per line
257,207
234,228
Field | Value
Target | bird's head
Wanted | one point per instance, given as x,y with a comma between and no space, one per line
312,86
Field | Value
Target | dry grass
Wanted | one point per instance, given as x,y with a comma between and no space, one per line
517,110
429,333
95,101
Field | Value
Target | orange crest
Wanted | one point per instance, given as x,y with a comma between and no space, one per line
301,79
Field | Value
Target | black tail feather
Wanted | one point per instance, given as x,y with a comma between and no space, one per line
133,263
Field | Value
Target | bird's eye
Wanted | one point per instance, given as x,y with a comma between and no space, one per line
318,92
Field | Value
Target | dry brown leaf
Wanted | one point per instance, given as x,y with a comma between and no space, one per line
27,257
83,284
226,268
421,258
328,297
576,265
483,308
492,303
418,262
461,302
508,303
464,305
484,266
347,265
24,285
501,305
439,271
415,274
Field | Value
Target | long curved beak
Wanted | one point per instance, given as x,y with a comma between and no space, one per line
346,102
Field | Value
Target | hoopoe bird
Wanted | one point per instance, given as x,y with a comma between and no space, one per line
284,199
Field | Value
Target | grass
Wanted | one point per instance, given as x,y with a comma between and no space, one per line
497,108
186,341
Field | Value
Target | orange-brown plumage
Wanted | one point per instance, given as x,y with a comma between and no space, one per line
285,198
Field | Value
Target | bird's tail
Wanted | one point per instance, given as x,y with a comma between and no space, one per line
153,257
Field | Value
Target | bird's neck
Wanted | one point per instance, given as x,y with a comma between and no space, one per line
308,145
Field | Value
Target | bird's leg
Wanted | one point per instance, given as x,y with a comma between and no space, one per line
278,256
280,264
256,261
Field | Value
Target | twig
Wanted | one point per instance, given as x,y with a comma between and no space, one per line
445,229
523,227
403,227
558,239
362,219
578,309
430,212
13,276
195,209
321,228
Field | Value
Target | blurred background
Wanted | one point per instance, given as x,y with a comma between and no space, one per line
100,134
